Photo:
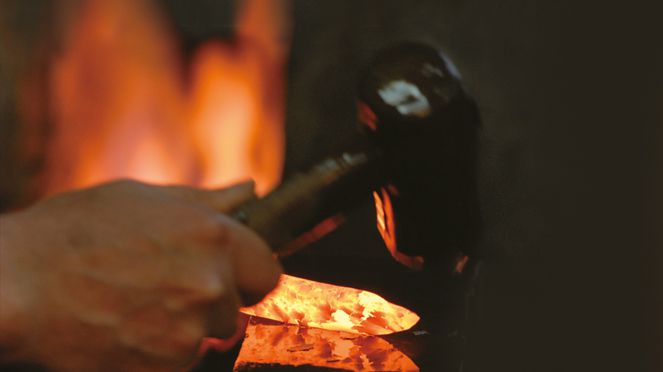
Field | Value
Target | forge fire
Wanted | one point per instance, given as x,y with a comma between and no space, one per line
120,82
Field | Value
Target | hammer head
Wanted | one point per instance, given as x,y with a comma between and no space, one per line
412,101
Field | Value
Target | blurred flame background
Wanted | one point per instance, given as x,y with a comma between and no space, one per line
124,103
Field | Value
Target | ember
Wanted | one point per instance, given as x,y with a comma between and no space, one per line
269,344
320,305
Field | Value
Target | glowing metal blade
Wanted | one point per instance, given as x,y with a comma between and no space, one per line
321,305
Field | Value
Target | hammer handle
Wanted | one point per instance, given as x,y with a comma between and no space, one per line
305,200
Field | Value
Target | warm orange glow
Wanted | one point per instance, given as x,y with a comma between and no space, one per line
461,262
122,106
295,346
385,218
320,305
237,103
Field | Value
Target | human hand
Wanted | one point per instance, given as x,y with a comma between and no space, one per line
127,276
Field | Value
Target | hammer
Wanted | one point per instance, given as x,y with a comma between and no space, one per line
416,157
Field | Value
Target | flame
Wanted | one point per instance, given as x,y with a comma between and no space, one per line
121,108
320,305
123,104
285,345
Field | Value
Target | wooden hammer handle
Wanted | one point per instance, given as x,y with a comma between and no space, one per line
306,199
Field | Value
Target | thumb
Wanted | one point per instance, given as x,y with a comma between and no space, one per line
229,198
222,200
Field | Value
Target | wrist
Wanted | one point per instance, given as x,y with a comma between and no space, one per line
11,303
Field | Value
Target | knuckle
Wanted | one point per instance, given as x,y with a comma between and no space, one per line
123,184
213,229
182,342
121,187
192,332
192,224
212,289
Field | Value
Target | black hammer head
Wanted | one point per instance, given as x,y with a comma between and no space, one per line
412,100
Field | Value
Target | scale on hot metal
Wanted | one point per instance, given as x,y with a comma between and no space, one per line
416,160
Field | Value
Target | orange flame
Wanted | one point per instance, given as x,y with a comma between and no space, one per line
320,305
121,108
295,346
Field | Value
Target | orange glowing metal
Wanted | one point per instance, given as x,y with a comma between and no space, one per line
385,217
320,305
295,346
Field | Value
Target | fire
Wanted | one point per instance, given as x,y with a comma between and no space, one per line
320,305
284,345
123,104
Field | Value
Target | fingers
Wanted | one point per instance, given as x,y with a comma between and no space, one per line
226,343
223,310
227,199
247,266
256,269
222,200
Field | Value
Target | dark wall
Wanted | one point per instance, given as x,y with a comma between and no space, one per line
22,48
565,89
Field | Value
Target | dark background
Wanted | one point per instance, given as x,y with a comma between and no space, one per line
570,95
566,90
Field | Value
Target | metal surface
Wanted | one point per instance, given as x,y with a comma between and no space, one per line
435,344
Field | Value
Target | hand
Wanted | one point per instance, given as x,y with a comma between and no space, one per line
127,276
